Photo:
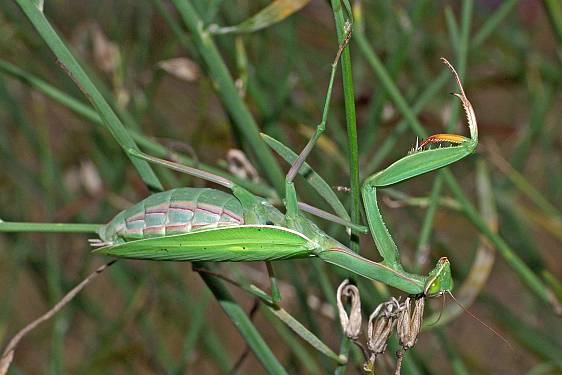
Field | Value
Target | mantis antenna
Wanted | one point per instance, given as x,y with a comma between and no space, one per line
506,341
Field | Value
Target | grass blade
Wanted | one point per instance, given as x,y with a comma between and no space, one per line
242,118
243,324
350,117
275,12
75,71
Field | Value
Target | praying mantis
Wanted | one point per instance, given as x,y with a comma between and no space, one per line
194,224
189,224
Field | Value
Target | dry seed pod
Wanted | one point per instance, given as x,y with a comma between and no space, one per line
240,166
409,323
351,324
380,326
181,68
381,323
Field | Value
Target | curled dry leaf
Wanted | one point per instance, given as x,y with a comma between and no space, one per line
275,12
240,166
351,324
181,68
90,178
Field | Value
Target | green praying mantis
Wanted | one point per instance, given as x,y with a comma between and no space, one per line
188,224
194,224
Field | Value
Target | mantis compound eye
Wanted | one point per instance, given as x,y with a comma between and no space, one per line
434,289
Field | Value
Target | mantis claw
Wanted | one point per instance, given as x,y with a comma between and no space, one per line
470,116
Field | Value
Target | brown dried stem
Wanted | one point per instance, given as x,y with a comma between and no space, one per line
8,354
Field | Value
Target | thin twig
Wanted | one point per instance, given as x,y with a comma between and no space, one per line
217,275
240,361
8,354
399,358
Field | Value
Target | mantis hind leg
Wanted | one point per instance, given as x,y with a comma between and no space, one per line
207,176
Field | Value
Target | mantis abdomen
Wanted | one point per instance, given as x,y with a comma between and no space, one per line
172,212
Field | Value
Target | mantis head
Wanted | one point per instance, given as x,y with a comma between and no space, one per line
439,279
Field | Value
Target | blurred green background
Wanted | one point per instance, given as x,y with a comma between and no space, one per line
59,164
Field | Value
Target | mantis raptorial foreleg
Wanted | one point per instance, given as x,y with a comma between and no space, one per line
420,161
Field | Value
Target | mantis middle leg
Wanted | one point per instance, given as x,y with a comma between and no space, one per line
291,202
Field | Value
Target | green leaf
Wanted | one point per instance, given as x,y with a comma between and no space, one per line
306,335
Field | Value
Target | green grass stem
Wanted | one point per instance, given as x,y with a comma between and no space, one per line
224,86
350,117
77,74
6,226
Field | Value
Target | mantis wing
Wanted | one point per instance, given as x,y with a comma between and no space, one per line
245,243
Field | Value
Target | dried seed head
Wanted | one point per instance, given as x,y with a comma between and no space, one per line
351,324
409,323
181,68
381,323
379,332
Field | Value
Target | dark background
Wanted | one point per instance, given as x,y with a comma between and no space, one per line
142,317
